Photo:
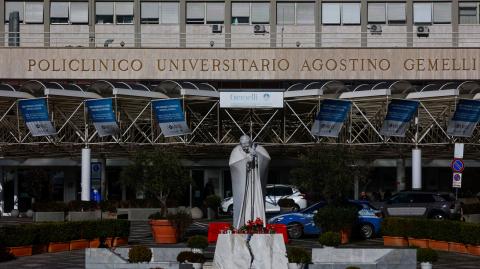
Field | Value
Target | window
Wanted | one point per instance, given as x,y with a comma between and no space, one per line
240,13
254,13
376,12
426,13
79,12
341,13
110,12
14,6
159,12
468,13
34,12
150,12
124,12
59,12
104,12
391,13
169,13
295,13
396,13
423,198
260,13
195,13
215,13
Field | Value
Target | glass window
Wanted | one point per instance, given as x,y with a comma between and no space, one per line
124,12
240,13
169,13
104,12
285,13
14,6
195,13
150,12
422,13
34,12
400,198
260,13
351,13
79,12
331,13
305,13
468,13
215,13
442,12
396,13
376,12
59,12
423,198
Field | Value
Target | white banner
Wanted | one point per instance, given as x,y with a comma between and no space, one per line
251,99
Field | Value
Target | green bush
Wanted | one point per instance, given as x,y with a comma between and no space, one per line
49,207
109,206
17,235
298,255
122,228
331,239
139,254
470,233
61,232
181,221
427,255
198,241
335,218
197,258
184,256
286,202
213,201
156,216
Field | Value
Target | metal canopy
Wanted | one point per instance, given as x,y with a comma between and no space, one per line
51,89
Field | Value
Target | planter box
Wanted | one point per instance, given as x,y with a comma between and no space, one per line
473,250
48,216
472,218
20,251
457,247
438,245
85,215
58,246
137,214
94,243
395,241
109,215
421,243
120,241
79,244
39,249
163,232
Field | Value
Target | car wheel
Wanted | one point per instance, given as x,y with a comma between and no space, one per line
438,216
366,230
295,230
296,208
230,210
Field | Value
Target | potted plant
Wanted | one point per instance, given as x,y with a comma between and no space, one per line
59,237
198,243
162,229
337,218
139,254
213,202
298,257
426,256
196,259
122,231
393,232
49,211
18,239
330,239
286,205
161,175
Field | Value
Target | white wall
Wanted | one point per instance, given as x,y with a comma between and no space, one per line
305,34
31,35
157,35
391,36
116,32
243,37
341,36
199,35
440,36
69,35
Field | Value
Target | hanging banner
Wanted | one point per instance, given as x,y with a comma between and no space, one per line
102,115
170,117
330,119
400,113
35,115
465,118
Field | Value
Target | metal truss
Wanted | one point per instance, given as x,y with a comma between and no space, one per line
217,129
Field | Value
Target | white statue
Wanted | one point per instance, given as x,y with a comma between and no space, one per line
249,170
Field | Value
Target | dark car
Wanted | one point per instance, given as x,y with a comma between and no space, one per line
418,204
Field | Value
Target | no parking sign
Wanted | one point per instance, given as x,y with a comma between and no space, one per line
457,180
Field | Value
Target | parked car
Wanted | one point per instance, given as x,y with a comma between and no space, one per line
300,223
272,195
420,204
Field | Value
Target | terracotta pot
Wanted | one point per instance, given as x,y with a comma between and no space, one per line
438,245
21,251
163,232
79,244
395,241
345,236
109,242
58,246
120,241
94,243
457,247
39,249
473,249
421,243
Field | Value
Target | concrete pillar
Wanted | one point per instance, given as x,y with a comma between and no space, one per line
137,29
318,23
2,23
86,155
228,23
183,23
409,18
416,169
15,190
91,23
400,174
46,23
273,23
364,23
455,23
103,180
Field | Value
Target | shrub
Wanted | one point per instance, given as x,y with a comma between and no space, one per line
197,258
426,255
394,227
109,206
42,231
197,241
184,256
470,234
298,255
156,216
15,236
181,221
122,228
331,239
82,206
213,201
286,202
139,254
333,218
60,232
49,207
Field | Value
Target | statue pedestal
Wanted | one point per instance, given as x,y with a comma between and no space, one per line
267,251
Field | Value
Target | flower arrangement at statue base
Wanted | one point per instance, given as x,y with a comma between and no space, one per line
252,227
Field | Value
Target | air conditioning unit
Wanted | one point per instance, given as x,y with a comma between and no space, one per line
375,29
259,29
217,28
423,31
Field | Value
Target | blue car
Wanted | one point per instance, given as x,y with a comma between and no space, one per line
301,222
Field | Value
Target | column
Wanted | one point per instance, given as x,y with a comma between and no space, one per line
86,155
409,18
46,23
364,23
228,23
183,25
103,180
416,169
2,23
91,23
400,174
137,30
273,23
318,23
455,20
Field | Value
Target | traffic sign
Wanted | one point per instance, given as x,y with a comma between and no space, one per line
457,165
457,180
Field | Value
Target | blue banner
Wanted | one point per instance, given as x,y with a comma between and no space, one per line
103,116
330,119
170,117
35,115
400,113
465,118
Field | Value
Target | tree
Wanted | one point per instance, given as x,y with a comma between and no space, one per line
159,174
331,172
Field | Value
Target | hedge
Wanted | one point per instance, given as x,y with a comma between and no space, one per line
43,233
442,230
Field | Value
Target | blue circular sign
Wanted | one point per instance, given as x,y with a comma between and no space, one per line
457,165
